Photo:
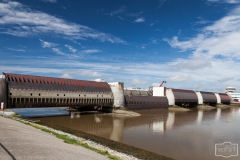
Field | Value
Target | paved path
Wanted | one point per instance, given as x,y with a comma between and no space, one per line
23,142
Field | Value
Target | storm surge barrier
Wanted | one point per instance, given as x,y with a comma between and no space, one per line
26,91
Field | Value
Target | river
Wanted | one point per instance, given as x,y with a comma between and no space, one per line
179,135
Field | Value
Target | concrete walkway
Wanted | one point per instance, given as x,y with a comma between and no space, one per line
23,142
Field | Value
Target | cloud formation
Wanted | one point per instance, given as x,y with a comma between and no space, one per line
138,81
18,50
179,78
225,1
118,11
71,48
66,75
89,73
51,1
88,51
46,44
221,39
139,20
190,64
19,20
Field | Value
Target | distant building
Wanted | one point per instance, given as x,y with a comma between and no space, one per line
231,91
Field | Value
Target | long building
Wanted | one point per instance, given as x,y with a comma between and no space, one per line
27,91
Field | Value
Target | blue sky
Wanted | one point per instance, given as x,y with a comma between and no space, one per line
191,44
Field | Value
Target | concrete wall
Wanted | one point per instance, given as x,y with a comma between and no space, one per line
170,96
200,98
118,96
159,91
230,96
3,92
218,98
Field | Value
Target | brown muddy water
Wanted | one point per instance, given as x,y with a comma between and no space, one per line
188,135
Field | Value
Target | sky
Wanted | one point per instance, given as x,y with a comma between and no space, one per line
190,44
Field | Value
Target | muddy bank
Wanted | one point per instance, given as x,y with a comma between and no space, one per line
178,108
125,113
117,146
224,106
205,107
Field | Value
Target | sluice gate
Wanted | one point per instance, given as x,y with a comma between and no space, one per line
135,99
25,91
185,96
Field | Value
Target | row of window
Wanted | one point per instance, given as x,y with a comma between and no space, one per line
59,100
137,102
65,95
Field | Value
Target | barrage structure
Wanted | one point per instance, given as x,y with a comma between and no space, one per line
24,91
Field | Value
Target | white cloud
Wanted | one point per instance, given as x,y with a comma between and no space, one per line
153,40
161,2
46,44
18,50
219,39
201,79
71,48
119,11
66,75
19,20
139,20
137,14
52,1
138,81
51,45
56,50
155,84
88,51
179,78
89,73
59,52
226,1
225,79
190,64
110,79
215,55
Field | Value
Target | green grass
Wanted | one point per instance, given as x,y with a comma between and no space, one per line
68,140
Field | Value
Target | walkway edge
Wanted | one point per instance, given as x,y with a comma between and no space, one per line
72,139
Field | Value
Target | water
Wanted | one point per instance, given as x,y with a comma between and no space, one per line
179,135
41,112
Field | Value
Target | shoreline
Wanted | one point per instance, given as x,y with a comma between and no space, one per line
95,143
84,142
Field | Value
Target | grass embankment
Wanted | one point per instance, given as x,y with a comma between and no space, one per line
68,140
116,146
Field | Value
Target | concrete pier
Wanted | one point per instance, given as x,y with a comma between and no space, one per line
23,142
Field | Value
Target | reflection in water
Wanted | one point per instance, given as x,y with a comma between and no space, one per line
75,115
218,114
170,120
185,139
158,127
117,131
98,118
199,116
